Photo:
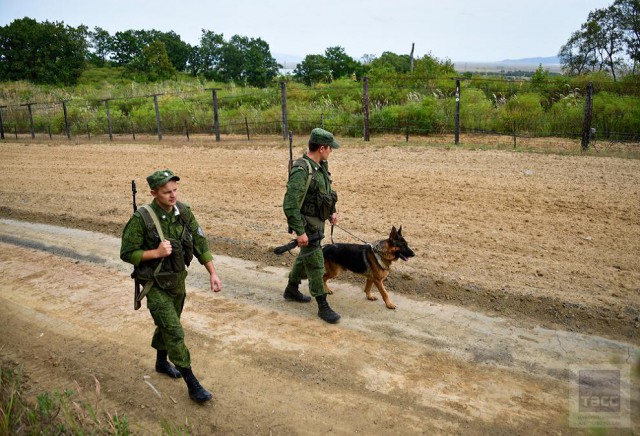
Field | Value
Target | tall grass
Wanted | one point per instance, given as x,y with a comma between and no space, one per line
423,105
67,412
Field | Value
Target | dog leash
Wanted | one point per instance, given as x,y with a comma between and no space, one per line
374,248
347,231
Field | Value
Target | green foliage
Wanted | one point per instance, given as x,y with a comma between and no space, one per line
64,412
476,110
524,110
614,114
42,52
155,62
312,70
420,116
605,42
541,106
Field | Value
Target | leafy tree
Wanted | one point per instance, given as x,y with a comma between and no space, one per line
177,50
231,64
101,42
260,68
607,33
42,52
155,62
247,61
127,46
390,62
578,54
629,14
604,39
205,58
313,69
340,63
428,66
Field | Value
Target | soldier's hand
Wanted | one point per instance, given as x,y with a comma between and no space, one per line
164,249
216,283
303,240
333,219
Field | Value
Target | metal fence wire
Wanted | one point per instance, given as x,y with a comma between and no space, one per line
425,108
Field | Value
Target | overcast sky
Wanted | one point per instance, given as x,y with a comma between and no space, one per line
459,30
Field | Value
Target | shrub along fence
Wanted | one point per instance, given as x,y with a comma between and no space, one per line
411,108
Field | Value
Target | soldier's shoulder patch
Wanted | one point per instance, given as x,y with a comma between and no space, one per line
200,232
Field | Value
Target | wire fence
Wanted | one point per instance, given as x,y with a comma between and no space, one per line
407,108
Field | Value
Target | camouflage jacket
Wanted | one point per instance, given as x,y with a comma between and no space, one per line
136,239
293,198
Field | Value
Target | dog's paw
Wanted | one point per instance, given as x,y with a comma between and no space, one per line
371,298
329,291
391,306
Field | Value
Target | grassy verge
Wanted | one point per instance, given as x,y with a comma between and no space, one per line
67,412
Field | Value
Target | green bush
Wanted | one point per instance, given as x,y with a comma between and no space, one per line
476,110
525,110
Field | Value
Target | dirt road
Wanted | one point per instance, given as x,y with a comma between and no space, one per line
274,366
527,266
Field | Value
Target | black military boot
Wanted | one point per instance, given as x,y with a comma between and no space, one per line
325,312
196,392
164,367
292,293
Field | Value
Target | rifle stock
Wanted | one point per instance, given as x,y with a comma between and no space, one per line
294,243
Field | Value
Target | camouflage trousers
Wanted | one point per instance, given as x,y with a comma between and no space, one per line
309,265
166,308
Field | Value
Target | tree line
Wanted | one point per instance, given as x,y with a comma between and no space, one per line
608,41
55,53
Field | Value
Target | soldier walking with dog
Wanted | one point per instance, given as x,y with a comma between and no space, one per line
308,203
160,240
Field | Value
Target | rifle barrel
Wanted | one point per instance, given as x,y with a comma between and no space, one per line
133,193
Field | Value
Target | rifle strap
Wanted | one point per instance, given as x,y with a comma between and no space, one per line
147,212
309,176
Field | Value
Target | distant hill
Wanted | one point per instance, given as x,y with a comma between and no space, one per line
551,63
551,60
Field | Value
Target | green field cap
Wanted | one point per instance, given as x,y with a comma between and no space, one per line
321,136
160,178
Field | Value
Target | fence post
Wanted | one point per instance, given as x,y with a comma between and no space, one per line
133,131
365,106
49,130
586,125
66,119
186,128
88,132
1,123
155,103
406,126
15,129
322,119
31,128
515,132
216,120
457,121
106,104
246,124
283,97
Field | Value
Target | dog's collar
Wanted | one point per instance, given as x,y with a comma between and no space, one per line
376,253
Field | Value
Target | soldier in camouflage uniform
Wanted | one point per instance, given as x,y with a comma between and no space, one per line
308,203
142,247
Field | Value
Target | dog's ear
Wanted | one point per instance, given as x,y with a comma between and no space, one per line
400,231
393,233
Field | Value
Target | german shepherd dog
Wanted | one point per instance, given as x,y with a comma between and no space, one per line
370,260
